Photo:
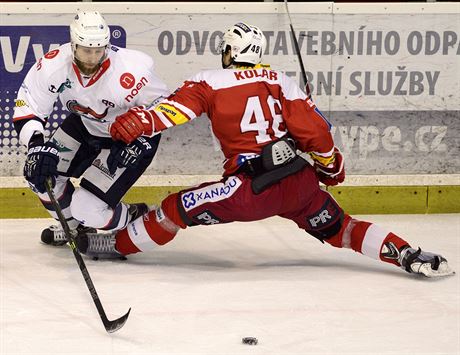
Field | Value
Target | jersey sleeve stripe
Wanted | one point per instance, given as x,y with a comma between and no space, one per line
23,117
326,154
183,108
323,161
323,158
173,114
164,120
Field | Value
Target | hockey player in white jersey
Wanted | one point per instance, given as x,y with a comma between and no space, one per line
95,82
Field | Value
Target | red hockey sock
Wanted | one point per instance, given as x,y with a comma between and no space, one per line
365,238
398,243
123,244
158,227
169,206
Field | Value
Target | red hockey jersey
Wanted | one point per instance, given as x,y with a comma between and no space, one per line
248,108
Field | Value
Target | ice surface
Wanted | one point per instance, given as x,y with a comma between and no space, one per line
212,286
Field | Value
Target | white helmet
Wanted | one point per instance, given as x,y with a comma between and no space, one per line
246,42
89,29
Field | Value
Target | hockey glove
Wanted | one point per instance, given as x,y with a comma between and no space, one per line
41,162
330,171
127,156
132,124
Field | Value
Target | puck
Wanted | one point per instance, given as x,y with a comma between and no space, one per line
250,341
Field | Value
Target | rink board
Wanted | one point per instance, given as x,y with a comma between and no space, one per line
400,120
21,202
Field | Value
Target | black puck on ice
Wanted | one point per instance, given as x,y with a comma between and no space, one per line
250,341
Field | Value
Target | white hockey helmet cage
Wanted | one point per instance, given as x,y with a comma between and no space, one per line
89,29
247,43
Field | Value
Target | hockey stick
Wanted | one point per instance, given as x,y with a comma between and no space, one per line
297,49
110,326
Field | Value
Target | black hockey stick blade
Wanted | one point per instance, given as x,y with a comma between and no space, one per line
111,326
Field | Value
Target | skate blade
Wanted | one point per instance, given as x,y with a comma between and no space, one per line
443,270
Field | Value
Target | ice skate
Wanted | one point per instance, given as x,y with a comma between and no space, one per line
54,235
424,263
99,246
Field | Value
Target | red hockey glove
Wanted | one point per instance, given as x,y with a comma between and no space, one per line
131,125
334,172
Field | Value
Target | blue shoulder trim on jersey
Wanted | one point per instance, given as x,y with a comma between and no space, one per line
329,124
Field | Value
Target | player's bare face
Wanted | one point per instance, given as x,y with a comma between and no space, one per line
88,59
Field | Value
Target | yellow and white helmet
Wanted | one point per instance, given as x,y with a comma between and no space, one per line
246,42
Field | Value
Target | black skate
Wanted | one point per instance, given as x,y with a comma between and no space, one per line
424,263
136,210
99,246
54,235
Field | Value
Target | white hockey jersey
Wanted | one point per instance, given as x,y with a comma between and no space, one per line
125,79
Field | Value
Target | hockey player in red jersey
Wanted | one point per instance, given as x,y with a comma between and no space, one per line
94,81
262,120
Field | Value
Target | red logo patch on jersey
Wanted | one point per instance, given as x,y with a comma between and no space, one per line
52,54
143,82
127,80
